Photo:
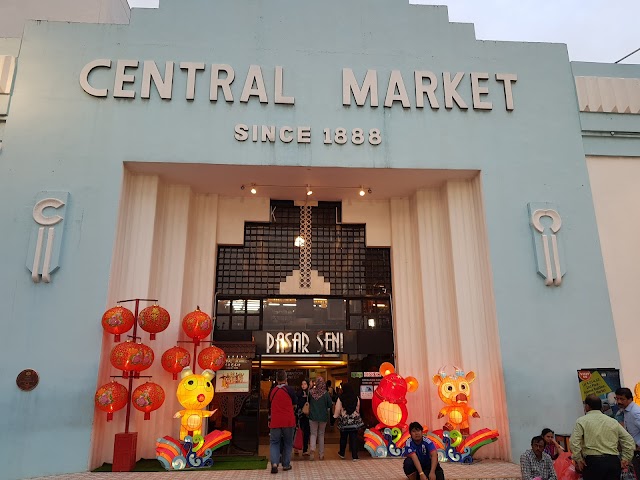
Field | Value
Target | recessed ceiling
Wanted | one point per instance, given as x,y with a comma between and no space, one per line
290,183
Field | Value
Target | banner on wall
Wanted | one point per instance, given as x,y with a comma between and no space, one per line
236,376
369,381
602,382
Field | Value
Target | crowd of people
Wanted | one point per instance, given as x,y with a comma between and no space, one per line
317,404
310,409
601,447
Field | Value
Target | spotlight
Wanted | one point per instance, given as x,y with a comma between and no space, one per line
253,189
362,192
309,191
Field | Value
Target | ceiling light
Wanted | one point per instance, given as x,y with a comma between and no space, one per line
371,323
309,191
362,192
253,188
299,241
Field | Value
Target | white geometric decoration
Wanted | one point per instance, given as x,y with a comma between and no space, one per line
45,243
317,284
7,71
608,94
305,247
546,223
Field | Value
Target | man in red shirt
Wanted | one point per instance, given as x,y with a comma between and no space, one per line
282,399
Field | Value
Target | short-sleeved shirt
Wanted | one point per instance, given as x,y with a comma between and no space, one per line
422,449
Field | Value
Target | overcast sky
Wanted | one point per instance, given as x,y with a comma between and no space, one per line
594,30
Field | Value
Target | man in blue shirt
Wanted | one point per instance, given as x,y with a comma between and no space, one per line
422,456
624,399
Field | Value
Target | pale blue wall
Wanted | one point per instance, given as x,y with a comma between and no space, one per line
60,138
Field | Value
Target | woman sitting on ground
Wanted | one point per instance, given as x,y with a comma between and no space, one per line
551,446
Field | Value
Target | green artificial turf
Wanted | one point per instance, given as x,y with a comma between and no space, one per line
219,463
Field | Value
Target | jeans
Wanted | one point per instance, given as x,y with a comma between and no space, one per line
276,435
602,467
352,435
317,432
410,468
306,432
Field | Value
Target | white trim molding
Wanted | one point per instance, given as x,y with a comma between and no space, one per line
608,95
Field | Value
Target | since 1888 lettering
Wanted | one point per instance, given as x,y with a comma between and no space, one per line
302,134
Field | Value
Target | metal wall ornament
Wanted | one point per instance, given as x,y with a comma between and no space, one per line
549,252
27,380
45,243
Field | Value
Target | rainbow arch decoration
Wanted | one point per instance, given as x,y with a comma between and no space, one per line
460,449
452,446
194,452
386,442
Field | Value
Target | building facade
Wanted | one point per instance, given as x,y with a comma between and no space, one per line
496,231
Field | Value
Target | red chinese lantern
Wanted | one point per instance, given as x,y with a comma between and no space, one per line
111,397
153,319
117,320
212,358
174,360
197,325
131,357
147,398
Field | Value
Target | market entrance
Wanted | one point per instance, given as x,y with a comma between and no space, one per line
333,369
312,297
339,339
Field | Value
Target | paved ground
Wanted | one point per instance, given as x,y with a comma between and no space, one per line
379,469
332,468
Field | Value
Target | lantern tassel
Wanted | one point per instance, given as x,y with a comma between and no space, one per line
147,415
109,416
153,336
116,337
175,376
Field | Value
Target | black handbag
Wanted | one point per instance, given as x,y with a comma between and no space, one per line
350,421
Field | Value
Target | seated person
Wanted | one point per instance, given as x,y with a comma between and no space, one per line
535,464
422,457
551,445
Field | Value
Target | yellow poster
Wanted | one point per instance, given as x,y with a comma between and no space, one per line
594,385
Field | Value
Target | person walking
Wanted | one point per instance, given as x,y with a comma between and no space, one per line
282,425
594,443
347,412
319,405
631,410
303,416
